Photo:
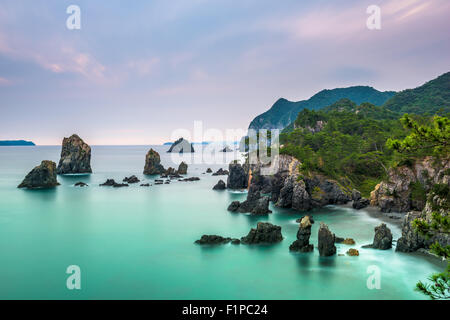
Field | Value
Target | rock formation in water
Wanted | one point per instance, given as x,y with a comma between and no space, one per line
75,156
112,183
209,170
407,185
190,179
131,180
80,184
220,185
255,203
238,177
219,172
326,241
181,146
358,201
153,163
304,232
348,241
382,239
265,232
182,168
353,252
41,177
214,240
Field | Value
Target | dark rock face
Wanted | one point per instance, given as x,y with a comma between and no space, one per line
75,156
361,203
213,239
42,176
182,168
112,183
255,204
219,172
220,185
153,163
304,232
132,179
326,241
356,195
209,170
238,178
80,184
325,191
181,146
264,233
293,194
382,239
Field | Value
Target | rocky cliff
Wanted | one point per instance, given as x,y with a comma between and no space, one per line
75,156
153,163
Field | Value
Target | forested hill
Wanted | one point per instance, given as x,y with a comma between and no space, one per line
429,98
284,112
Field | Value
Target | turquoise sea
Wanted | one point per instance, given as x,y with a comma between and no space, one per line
138,243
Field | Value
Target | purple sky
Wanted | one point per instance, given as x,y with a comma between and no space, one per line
139,70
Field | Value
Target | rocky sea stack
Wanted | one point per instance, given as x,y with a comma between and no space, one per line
181,146
255,203
304,232
75,156
265,232
182,168
238,177
326,241
382,239
153,163
41,177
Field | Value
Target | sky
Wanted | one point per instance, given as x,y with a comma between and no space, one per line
138,71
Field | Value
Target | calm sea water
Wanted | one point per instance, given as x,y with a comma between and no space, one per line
137,243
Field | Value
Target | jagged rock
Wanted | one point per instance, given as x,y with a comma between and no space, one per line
169,171
42,176
304,232
182,168
326,241
212,239
234,206
265,232
235,241
360,203
112,183
220,185
238,178
132,179
145,185
75,156
209,170
181,146
255,204
153,163
356,195
80,184
382,239
325,191
293,194
311,219
220,172
353,252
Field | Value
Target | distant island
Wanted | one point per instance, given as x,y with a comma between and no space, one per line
10,143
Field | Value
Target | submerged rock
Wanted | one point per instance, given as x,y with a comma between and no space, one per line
348,241
113,183
190,179
80,184
219,172
153,163
132,179
220,185
382,239
353,252
304,232
214,239
182,168
145,185
75,156
181,146
237,178
326,241
41,177
265,232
